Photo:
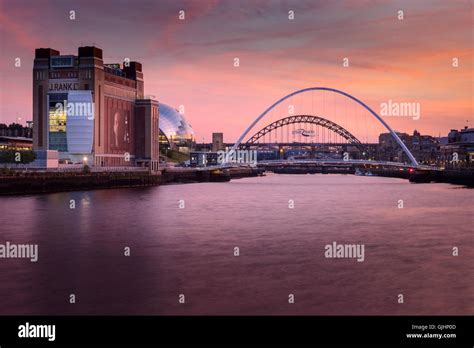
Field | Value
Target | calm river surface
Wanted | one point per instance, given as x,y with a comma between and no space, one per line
190,251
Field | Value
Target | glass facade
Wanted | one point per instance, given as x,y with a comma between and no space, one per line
80,122
57,122
62,61
173,127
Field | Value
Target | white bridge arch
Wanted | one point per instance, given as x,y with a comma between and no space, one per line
395,136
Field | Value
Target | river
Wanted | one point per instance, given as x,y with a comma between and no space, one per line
183,240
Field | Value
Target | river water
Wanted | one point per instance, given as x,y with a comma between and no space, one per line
189,250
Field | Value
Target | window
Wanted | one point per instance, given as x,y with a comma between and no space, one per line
57,117
62,62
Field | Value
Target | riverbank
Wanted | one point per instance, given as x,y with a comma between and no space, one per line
20,183
33,183
463,176
194,175
450,176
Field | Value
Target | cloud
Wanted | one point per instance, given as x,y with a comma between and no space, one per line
190,61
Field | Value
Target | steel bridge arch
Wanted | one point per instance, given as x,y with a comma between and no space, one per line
308,119
395,136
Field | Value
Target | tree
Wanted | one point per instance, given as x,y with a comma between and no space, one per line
14,126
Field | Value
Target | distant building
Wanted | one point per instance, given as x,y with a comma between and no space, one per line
388,148
460,147
15,143
217,142
424,147
203,159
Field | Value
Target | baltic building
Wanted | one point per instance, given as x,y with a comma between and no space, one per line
91,112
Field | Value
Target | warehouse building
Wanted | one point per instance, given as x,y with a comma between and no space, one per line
91,112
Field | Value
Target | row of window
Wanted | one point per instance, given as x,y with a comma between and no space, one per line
62,74
43,74
40,75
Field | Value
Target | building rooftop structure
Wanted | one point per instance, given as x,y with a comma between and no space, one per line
15,143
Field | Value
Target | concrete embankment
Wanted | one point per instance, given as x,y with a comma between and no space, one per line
17,183
192,175
29,183
311,170
463,176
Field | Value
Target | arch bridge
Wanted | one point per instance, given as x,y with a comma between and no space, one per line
337,129
305,119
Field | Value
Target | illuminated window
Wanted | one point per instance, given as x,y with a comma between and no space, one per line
57,122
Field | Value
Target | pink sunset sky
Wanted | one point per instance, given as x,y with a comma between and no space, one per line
191,62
